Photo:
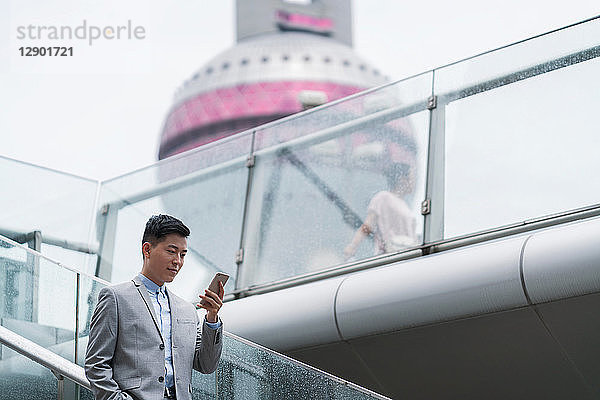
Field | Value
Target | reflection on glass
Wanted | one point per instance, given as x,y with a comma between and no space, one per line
31,290
309,201
386,100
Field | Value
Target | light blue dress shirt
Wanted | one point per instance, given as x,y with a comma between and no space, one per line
160,302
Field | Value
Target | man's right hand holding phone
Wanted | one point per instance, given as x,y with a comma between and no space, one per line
212,303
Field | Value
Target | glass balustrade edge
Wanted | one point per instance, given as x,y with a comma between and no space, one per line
37,254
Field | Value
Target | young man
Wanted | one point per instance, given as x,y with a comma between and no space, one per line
144,340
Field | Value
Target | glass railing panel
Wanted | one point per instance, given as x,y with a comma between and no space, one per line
212,208
59,205
206,189
523,150
37,299
311,194
252,372
23,379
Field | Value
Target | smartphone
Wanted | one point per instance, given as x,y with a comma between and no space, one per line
214,284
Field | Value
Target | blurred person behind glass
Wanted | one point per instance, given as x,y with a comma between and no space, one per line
389,218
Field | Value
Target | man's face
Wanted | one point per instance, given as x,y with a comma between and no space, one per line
163,261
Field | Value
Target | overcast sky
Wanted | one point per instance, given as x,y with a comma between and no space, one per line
99,113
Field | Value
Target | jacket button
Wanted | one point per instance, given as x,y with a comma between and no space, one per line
161,346
161,379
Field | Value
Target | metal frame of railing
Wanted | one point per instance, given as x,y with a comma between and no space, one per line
63,368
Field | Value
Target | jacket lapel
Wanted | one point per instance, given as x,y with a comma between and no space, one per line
146,298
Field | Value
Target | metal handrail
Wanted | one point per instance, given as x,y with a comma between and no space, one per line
55,363
323,135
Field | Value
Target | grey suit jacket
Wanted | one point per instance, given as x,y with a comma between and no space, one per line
125,356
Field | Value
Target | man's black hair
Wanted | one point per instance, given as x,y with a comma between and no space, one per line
159,226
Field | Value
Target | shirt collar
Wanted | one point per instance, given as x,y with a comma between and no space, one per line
151,286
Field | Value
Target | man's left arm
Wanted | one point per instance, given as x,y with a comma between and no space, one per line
209,344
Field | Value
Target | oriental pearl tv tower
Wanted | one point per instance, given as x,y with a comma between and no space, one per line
290,55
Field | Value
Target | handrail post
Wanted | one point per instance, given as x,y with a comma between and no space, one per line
433,204
60,382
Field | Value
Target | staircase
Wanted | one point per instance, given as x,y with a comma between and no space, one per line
45,308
